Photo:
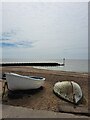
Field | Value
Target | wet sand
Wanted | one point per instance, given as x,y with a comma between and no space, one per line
44,98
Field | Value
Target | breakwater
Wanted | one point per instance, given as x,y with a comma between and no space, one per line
30,64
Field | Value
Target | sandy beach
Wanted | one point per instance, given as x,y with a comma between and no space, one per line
44,98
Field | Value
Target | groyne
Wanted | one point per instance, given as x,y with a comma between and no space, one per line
29,64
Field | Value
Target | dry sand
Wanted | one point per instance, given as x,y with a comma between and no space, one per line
44,98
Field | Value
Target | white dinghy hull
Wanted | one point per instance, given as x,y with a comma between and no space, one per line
20,82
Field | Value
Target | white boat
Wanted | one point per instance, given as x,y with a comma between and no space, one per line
20,82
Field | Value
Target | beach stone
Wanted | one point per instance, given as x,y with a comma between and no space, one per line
68,90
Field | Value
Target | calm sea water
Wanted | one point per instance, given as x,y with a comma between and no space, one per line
70,65
73,65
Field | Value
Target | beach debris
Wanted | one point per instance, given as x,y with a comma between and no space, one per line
69,91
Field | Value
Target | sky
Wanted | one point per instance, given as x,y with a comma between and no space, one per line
44,30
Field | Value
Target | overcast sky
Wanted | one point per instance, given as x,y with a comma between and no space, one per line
44,30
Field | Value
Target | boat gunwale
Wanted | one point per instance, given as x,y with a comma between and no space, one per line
23,76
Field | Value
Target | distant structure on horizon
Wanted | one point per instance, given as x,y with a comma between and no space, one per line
62,64
33,64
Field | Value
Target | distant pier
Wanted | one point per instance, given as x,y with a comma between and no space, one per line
29,64
47,64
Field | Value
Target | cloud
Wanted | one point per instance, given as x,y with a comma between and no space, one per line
8,35
3,38
22,44
5,44
25,44
11,39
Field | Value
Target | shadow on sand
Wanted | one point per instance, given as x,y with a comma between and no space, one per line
17,94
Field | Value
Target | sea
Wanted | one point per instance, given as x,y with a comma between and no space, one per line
72,65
